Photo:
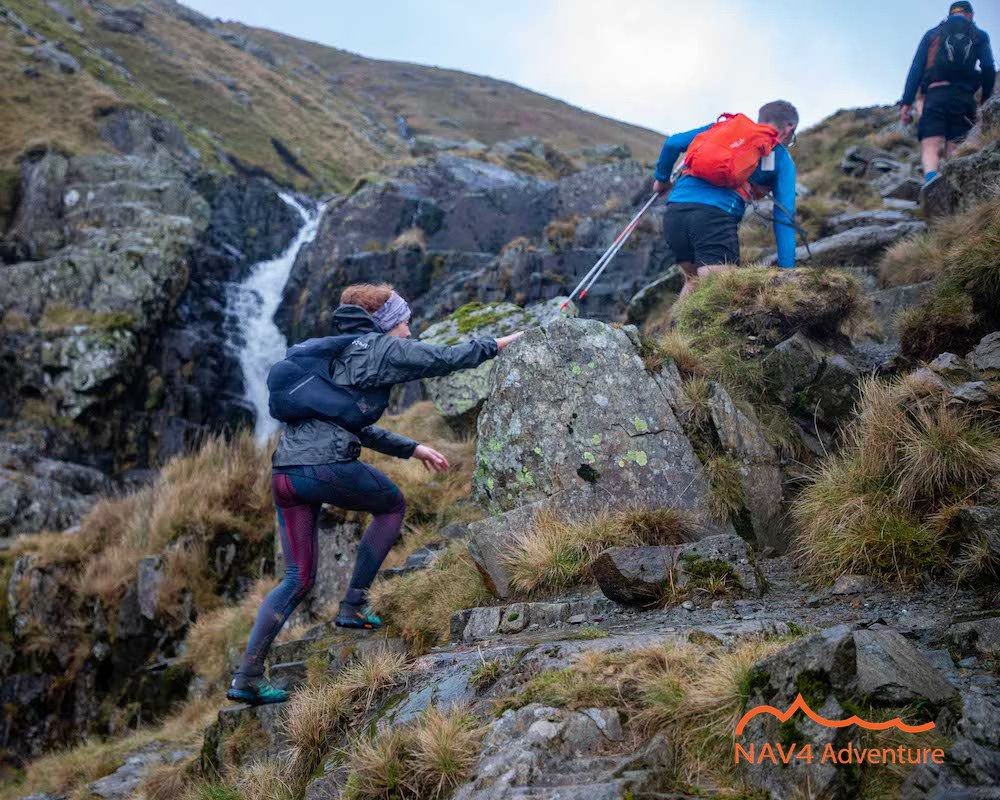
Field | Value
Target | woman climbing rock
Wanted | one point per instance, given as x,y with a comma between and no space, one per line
330,392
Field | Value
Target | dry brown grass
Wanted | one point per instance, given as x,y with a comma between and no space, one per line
323,711
882,505
555,555
419,606
694,693
963,253
433,500
425,760
560,233
410,239
265,780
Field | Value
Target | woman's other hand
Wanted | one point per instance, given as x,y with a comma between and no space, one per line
503,341
431,458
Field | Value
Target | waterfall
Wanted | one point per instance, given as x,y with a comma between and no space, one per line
253,304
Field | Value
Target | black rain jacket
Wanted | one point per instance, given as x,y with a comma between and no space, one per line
368,366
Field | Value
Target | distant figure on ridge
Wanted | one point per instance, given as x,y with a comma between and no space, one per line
330,392
944,70
728,164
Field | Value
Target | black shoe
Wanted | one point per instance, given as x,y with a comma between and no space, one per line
358,618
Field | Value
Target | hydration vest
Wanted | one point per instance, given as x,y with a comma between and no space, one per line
301,387
729,152
953,52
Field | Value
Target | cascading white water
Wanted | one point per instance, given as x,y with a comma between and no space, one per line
253,304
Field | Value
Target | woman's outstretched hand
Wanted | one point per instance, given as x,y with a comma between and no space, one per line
503,341
430,458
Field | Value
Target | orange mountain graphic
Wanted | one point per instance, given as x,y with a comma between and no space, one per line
799,704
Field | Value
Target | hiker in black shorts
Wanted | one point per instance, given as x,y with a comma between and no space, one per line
945,70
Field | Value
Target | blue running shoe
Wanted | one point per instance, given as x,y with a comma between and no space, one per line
358,618
255,692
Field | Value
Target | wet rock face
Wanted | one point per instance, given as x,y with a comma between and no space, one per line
117,321
38,493
468,213
614,433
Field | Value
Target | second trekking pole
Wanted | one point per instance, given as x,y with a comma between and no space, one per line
595,271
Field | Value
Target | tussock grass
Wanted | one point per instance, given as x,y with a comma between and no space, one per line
419,606
731,317
559,233
427,759
554,555
410,239
265,780
963,253
222,488
488,671
323,711
882,505
677,348
726,486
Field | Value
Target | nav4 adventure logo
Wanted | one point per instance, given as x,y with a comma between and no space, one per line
804,752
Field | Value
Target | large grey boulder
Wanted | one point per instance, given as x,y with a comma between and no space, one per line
574,422
459,396
572,407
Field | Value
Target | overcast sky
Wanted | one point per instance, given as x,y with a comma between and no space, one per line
664,64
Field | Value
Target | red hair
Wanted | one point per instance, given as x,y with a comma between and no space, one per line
370,296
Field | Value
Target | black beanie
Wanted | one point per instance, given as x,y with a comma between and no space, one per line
960,7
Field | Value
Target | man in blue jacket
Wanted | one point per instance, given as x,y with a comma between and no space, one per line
944,68
701,222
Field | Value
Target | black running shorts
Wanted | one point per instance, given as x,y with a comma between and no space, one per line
701,234
948,112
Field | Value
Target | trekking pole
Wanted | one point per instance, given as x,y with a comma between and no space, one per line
594,272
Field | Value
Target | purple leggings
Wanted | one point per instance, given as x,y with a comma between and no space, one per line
299,492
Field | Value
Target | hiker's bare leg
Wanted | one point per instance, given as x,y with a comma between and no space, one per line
950,148
690,272
930,153
708,269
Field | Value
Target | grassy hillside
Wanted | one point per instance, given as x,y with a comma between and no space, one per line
311,115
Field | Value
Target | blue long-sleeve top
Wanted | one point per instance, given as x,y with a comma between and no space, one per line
985,79
780,181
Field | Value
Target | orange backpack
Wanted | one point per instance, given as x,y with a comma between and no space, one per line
729,152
